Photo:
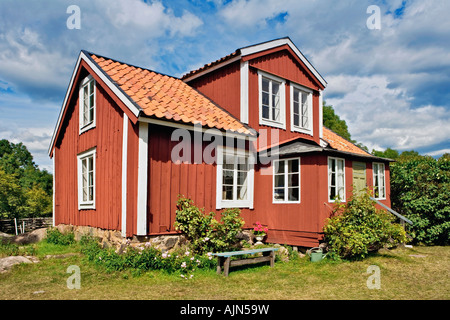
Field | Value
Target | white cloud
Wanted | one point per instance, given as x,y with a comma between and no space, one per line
381,117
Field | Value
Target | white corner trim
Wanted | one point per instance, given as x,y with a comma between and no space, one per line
244,91
320,114
54,184
141,228
124,173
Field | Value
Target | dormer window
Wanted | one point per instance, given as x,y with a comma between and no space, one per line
301,109
272,104
87,104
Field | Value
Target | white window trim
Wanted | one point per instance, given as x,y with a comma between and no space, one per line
285,187
85,204
220,203
309,92
384,179
91,125
329,182
282,123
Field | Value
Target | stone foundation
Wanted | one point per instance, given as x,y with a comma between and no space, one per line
114,238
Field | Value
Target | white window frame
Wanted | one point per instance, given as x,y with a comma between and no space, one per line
337,186
379,177
223,203
91,124
286,187
309,100
268,122
90,203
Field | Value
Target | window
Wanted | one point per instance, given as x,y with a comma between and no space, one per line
87,104
379,188
86,180
301,109
286,181
336,179
234,179
271,100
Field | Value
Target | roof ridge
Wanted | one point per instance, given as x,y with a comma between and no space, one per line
89,53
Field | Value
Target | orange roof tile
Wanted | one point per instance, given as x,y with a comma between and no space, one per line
167,97
341,144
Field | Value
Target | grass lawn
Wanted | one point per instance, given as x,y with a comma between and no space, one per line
424,276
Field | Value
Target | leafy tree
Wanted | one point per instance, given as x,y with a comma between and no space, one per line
333,122
420,190
11,196
25,189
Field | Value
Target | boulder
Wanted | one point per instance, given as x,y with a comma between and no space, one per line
7,263
30,237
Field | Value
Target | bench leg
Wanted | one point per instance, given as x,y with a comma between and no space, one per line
219,265
272,259
227,266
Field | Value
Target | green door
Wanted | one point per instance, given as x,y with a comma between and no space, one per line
359,176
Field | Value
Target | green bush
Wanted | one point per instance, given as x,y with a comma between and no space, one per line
358,227
420,190
56,237
204,232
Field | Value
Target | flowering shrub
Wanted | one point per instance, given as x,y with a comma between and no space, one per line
147,258
259,230
359,227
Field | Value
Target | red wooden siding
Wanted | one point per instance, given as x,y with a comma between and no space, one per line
107,138
168,179
283,64
223,87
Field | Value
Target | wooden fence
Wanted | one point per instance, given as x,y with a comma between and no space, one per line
18,226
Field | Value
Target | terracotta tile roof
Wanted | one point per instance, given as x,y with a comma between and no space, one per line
168,98
341,144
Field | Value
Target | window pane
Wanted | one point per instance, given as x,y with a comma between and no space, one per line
293,180
293,166
242,192
227,192
228,162
296,120
265,85
227,177
279,194
332,192
265,112
265,99
275,88
242,178
293,194
305,122
279,167
279,181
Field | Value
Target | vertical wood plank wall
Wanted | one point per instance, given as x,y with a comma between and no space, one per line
107,138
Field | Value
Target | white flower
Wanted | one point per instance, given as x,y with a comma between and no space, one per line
191,276
186,253
183,265
192,259
182,276
164,255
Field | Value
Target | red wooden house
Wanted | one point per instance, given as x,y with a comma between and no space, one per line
244,131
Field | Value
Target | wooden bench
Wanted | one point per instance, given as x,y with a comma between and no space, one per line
224,258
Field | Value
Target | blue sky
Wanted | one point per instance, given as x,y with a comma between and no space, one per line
392,85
